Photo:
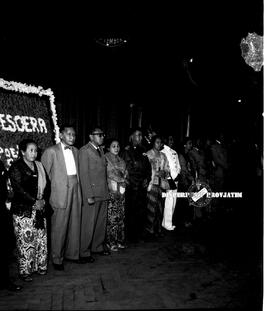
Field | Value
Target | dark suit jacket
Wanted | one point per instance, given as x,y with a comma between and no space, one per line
93,176
54,162
219,155
138,166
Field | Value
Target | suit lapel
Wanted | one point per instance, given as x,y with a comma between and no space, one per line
61,158
95,150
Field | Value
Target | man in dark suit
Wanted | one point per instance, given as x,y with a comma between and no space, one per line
5,234
95,194
220,163
139,176
61,164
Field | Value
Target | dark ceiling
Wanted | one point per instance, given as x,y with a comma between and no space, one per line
55,47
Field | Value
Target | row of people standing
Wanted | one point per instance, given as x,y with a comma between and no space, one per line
50,191
95,199
149,170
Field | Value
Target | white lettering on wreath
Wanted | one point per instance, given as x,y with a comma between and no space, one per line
22,124
10,154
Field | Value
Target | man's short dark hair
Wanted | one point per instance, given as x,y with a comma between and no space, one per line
135,129
186,139
64,126
93,128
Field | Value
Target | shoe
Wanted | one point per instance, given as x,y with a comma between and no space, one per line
88,259
114,248
122,246
103,253
14,287
42,272
170,229
11,286
188,224
26,278
58,267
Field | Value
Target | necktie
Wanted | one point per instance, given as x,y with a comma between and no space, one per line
99,152
67,147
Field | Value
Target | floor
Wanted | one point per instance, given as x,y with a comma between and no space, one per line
185,269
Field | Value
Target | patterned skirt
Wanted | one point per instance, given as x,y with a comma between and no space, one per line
31,245
116,218
154,210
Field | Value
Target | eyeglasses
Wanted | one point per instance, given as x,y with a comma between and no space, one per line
99,134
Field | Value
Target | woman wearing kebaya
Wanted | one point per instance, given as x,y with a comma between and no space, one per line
117,179
28,181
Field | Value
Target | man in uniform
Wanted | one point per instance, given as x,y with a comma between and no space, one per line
139,176
170,200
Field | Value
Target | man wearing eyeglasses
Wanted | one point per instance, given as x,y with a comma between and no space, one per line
92,167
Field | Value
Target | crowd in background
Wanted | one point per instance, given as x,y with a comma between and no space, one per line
76,204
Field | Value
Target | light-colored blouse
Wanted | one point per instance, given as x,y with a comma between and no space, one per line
159,162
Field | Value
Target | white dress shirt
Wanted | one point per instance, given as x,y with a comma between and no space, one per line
69,160
173,160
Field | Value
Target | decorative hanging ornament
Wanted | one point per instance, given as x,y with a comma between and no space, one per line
111,42
252,50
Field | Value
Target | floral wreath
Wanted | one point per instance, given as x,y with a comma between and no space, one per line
30,89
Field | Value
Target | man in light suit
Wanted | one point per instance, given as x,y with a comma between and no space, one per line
61,164
170,200
92,166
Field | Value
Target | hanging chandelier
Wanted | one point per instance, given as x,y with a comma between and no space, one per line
111,41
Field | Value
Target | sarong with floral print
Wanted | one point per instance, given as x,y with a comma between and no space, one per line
116,217
31,245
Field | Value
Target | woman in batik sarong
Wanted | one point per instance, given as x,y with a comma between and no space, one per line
116,177
155,205
28,181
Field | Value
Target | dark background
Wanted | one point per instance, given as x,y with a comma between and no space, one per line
56,47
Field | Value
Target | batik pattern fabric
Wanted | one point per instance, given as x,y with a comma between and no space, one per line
116,218
31,245
154,208
116,177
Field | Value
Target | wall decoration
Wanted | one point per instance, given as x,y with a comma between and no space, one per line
252,50
26,111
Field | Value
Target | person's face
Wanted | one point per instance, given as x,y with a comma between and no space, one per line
188,145
137,138
30,154
68,136
199,143
221,137
157,144
170,141
208,142
114,148
97,137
